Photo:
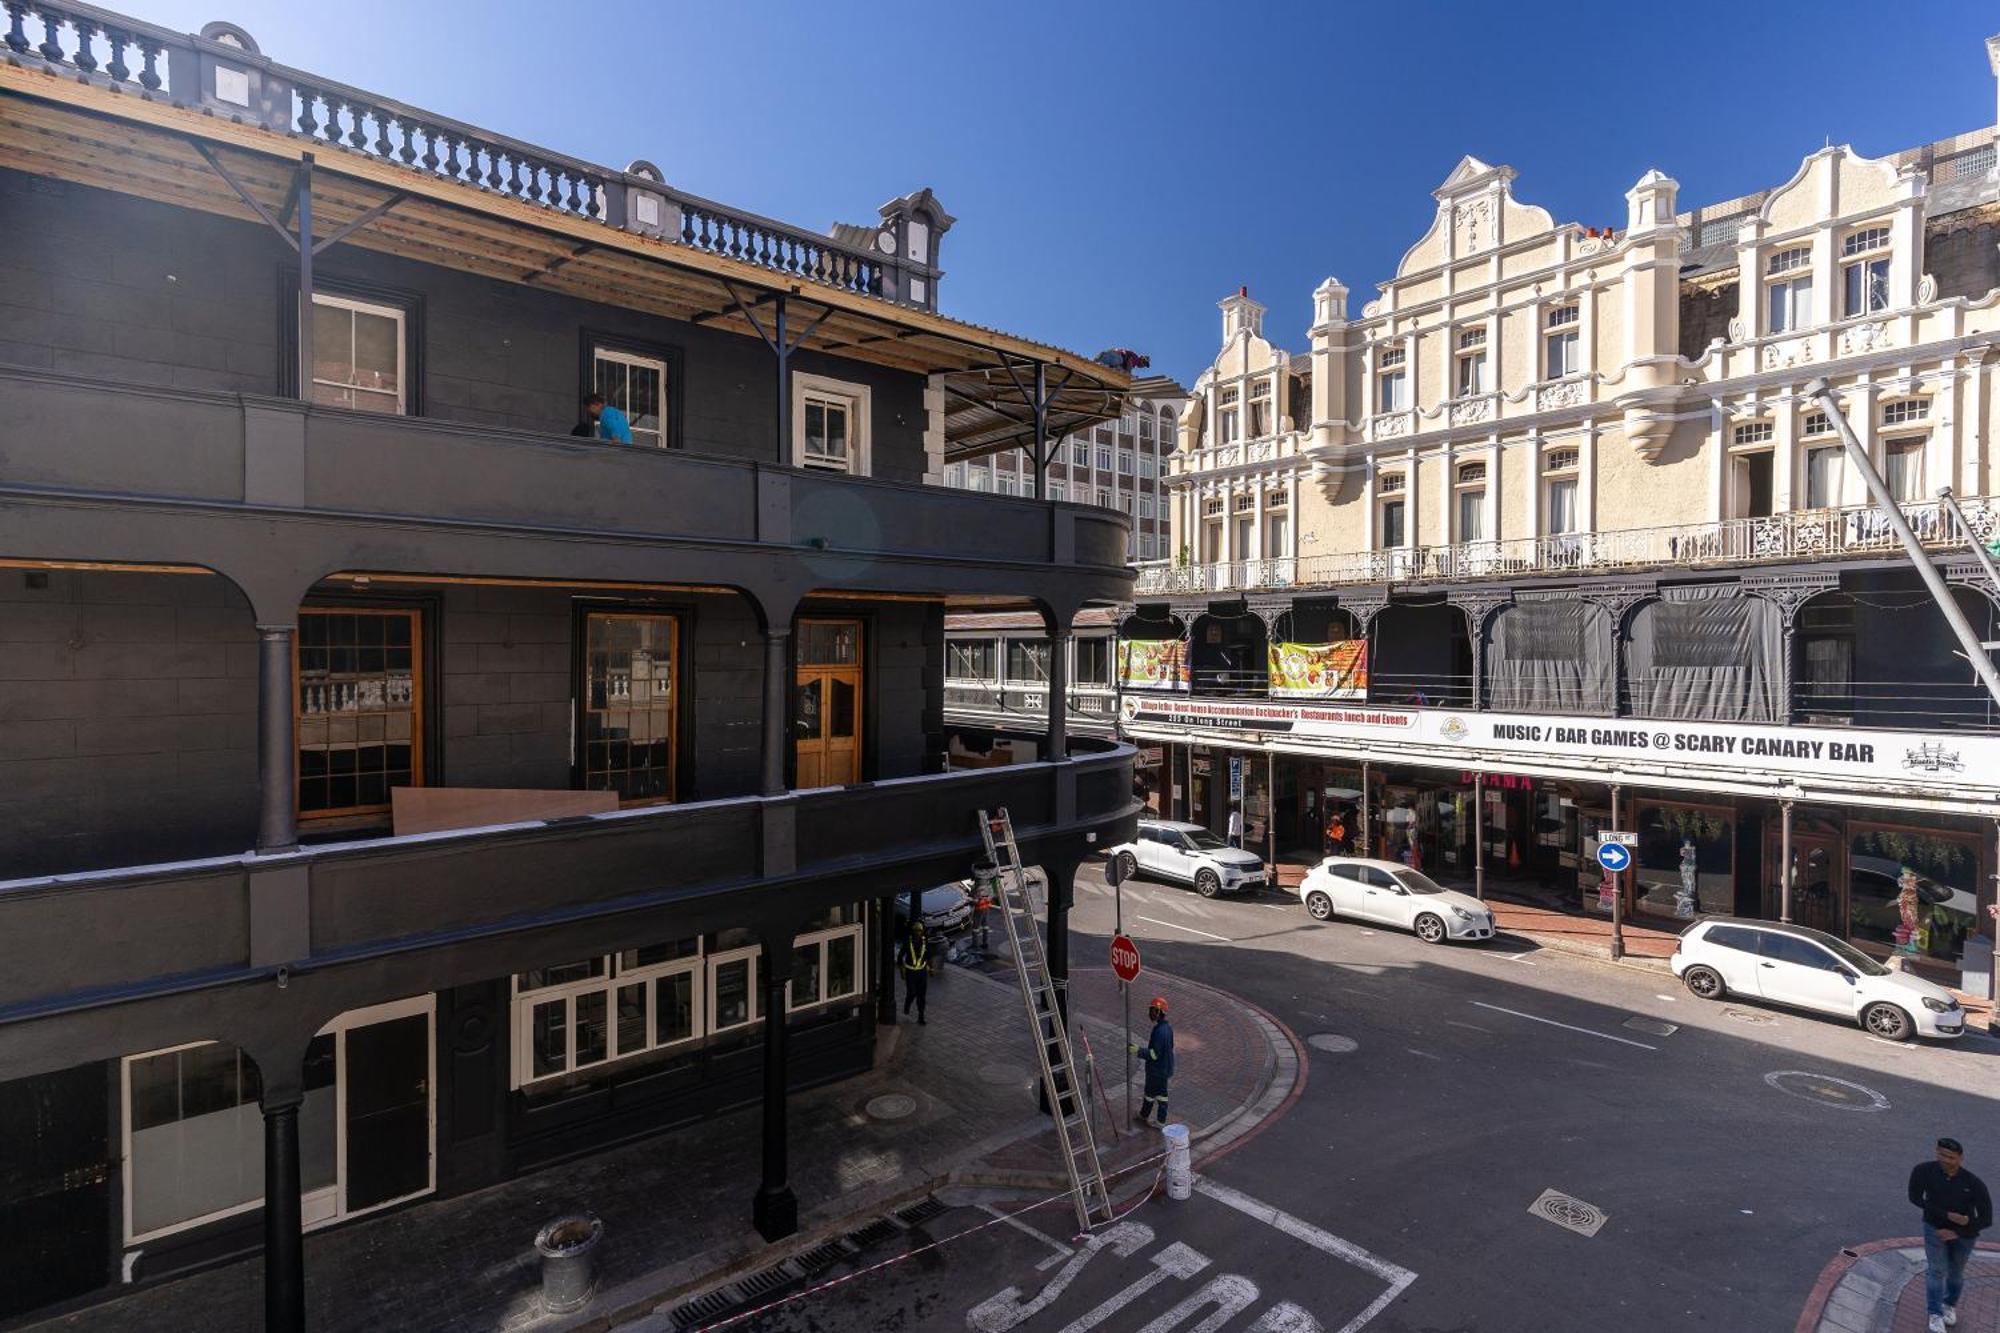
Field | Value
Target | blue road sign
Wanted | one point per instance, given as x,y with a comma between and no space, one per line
1613,856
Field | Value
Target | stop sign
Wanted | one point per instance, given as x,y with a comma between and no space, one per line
1125,958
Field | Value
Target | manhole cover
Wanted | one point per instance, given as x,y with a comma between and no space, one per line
1331,1041
1652,1025
891,1106
1827,1090
1002,1074
1573,1214
1747,1016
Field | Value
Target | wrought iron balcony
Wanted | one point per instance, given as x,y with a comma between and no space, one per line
1808,534
222,71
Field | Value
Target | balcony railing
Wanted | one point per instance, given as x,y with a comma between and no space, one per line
111,49
1810,534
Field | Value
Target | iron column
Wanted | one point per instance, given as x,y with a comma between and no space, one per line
277,746
284,1227
776,699
1785,861
775,1211
1479,836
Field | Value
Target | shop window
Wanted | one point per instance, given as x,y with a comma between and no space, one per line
629,701
358,708
1912,891
1028,661
826,964
575,1016
194,1149
1093,662
972,659
1686,863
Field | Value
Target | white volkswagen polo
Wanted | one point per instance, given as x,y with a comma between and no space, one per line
1393,895
1809,969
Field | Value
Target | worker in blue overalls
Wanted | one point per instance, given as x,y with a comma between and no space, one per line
1158,1054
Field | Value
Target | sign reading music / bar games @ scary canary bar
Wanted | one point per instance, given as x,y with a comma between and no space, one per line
1956,761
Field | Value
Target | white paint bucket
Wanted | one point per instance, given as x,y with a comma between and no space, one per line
1180,1167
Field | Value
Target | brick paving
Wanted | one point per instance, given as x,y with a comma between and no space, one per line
1879,1288
676,1206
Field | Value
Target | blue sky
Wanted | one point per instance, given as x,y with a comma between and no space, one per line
1118,169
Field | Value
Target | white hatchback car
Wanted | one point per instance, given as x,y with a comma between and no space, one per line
1809,969
1393,895
1190,854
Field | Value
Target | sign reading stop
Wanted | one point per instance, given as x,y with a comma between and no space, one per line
1125,958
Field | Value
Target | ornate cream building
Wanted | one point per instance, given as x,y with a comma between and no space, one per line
1555,474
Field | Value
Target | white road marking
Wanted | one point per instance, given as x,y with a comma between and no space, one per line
1519,958
1062,1251
1230,1294
1175,925
1473,1026
1670,999
1176,1260
1004,1309
1426,1054
1588,1032
1324,1241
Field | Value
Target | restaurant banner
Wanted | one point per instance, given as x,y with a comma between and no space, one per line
1152,664
1946,764
1320,670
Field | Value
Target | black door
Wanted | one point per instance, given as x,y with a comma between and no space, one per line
388,1111
55,1186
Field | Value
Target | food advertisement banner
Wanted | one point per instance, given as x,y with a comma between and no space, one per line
1152,664
1320,670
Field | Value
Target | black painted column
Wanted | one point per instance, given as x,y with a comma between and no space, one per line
1059,646
775,1209
777,708
277,745
284,1227
885,962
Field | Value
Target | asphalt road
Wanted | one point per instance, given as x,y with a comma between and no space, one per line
1726,1160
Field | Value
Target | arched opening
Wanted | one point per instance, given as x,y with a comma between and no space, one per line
1421,656
1229,655
1706,652
1552,656
1876,652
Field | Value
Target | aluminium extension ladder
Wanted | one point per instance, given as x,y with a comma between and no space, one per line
1068,1098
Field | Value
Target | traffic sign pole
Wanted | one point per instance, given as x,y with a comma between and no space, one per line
1618,891
1124,987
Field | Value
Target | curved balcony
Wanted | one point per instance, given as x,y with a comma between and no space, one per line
326,929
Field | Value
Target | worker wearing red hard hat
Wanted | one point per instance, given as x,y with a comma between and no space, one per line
1158,1053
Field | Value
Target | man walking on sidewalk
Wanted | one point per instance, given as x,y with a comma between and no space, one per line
915,956
1956,1209
1158,1055
1235,826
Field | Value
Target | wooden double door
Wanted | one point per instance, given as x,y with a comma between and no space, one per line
827,703
1819,879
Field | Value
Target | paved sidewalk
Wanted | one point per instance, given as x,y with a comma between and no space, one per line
1879,1288
949,1103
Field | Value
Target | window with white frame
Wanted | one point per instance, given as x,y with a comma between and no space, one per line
1823,477
1277,532
1469,485
1127,464
1226,417
636,385
1146,427
827,959
576,1016
1471,377
1079,452
1028,661
1816,423
1788,290
1260,409
1559,490
1392,378
1145,506
1149,467
357,354
981,477
1752,432
830,424
1561,341
1905,410
954,474
1903,469
1009,484
1058,491
1104,499
1864,271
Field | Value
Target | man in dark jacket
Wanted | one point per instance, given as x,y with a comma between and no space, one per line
1956,1209
1158,1055
915,957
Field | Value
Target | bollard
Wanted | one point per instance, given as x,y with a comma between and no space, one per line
1180,1169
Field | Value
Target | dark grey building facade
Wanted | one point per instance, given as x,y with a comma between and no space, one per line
407,777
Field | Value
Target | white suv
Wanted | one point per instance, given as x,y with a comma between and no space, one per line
1189,854
1809,969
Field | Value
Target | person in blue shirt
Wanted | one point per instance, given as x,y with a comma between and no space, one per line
611,422
1158,1055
